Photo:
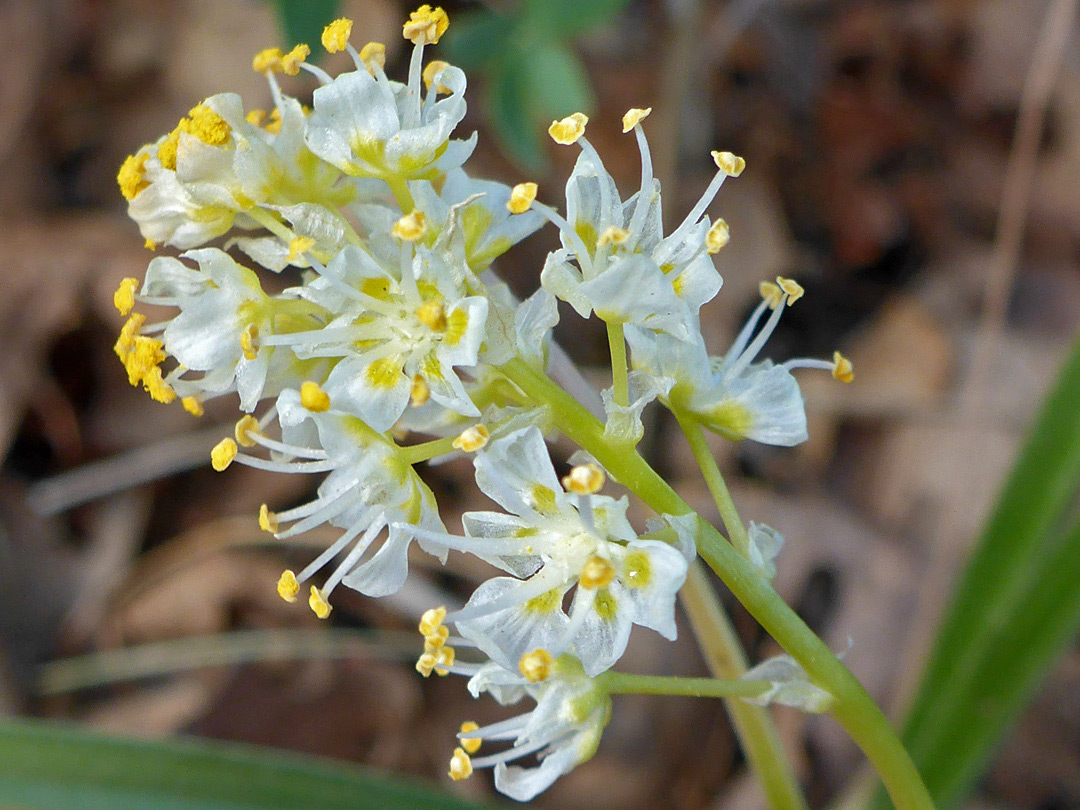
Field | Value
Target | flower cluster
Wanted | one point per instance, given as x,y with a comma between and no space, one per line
390,342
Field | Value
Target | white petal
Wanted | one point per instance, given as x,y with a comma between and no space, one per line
351,389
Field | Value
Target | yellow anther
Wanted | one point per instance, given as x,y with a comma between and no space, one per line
771,293
373,55
431,620
299,246
596,573
268,521
471,745
128,332
718,236
521,198
192,405
472,439
290,62
268,59
124,297
166,152
318,604
569,129
612,236
792,289
313,397
444,658
634,117
729,164
149,244
536,666
159,390
425,25
842,369
206,125
437,640
410,227
143,356
132,175
223,454
247,341
287,586
420,392
336,35
425,664
433,69
273,126
255,117
246,427
460,765
584,479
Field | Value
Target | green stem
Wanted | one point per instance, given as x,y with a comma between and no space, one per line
415,453
400,188
623,683
854,709
753,724
619,370
699,446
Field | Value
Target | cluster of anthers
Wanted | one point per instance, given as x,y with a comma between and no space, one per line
392,325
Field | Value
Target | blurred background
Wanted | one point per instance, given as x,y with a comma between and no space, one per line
877,134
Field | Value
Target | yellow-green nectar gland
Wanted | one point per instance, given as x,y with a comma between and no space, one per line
842,370
633,117
248,340
287,587
223,454
313,397
268,521
432,314
637,569
472,439
336,35
612,235
536,666
472,744
426,25
124,297
299,246
521,198
718,236
567,130
792,289
433,69
318,604
460,765
419,392
373,55
596,573
246,427
410,227
193,406
730,164
132,175
584,479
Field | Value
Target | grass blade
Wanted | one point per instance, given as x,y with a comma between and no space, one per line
52,767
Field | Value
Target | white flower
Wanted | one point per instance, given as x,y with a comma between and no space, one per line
551,542
736,395
562,731
615,259
221,330
370,126
394,331
368,489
